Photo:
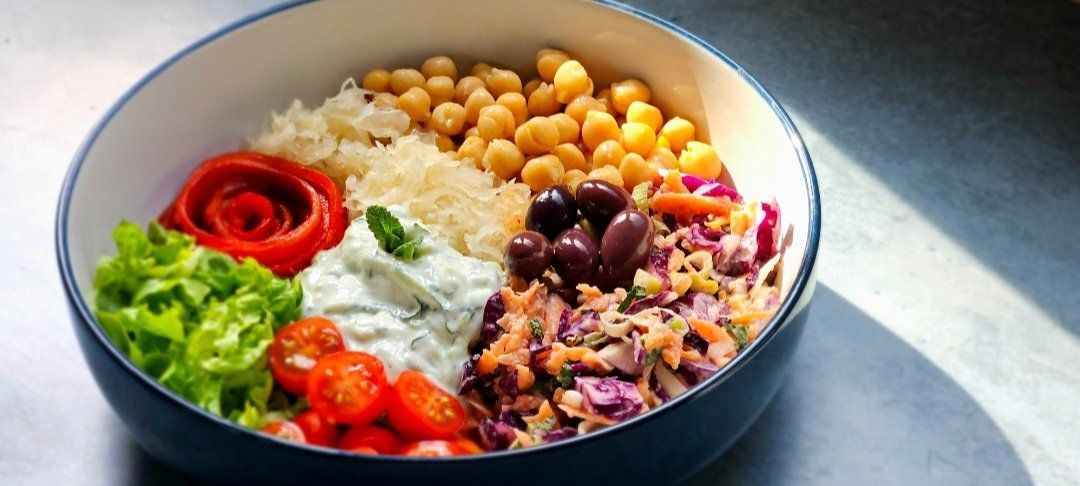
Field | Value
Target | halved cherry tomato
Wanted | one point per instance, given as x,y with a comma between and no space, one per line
419,409
370,437
298,346
317,430
440,448
365,450
285,430
348,387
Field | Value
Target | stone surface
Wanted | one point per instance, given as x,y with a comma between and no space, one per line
946,135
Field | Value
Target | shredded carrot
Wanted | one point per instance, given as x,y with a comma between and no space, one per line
749,317
487,363
595,362
710,331
542,414
673,182
690,204
525,377
582,414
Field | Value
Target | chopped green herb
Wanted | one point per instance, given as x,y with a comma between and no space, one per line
641,196
740,334
546,425
678,325
566,376
654,354
537,328
391,235
635,292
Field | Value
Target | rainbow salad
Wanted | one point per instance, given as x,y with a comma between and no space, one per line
430,264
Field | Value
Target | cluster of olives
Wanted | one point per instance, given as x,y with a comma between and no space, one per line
554,238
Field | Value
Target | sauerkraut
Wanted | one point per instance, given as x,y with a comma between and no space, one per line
371,153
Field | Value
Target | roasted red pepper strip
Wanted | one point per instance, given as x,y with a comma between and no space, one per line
267,208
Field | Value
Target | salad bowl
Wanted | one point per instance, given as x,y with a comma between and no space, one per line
204,99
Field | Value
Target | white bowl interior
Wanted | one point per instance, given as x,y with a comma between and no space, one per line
208,101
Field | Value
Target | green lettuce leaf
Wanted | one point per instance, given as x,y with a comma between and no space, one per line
194,319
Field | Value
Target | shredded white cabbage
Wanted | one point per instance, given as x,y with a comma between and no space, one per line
371,153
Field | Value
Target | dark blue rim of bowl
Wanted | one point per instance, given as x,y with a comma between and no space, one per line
787,306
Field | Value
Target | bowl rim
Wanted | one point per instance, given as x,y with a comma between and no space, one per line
802,278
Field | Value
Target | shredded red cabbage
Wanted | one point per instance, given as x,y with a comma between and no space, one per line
493,310
559,434
694,372
701,306
704,238
508,383
710,188
609,397
768,232
588,322
468,374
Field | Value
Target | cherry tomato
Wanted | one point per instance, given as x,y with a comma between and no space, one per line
348,387
317,429
440,448
365,450
418,409
285,430
370,437
298,346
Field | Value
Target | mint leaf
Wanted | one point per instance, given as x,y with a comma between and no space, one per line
536,328
391,235
635,292
545,425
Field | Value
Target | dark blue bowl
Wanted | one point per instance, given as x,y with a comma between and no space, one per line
663,445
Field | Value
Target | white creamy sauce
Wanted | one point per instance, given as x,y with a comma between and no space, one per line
420,314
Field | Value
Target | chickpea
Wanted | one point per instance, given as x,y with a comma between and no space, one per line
662,142
504,159
580,106
701,160
439,66
477,100
377,80
448,118
663,158
495,121
571,80
607,173
503,81
472,149
541,172
517,105
604,97
568,128
385,100
531,86
472,132
465,87
598,127
440,88
625,92
537,136
548,62
570,156
482,70
635,170
542,102
610,152
641,112
444,143
638,138
416,103
678,133
572,178
401,80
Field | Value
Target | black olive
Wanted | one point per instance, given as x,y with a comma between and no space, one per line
599,201
577,256
528,254
553,211
625,245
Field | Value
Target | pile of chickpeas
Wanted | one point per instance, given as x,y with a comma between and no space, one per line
553,129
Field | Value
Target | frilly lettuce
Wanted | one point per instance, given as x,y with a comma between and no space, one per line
194,319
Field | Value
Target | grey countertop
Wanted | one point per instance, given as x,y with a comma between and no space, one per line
943,340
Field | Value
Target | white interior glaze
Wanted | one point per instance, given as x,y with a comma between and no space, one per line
209,100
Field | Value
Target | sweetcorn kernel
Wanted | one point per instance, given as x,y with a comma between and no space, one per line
542,172
598,127
570,156
609,152
678,133
539,135
641,112
701,160
638,138
626,92
377,80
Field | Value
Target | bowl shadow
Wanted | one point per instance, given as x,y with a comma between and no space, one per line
861,406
